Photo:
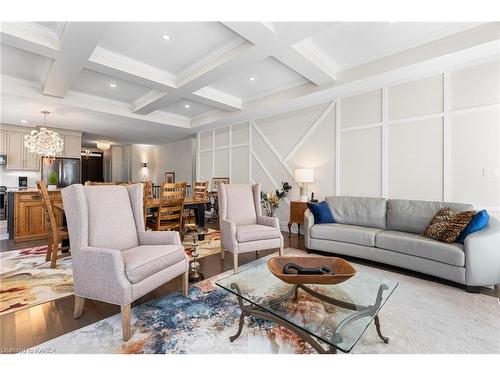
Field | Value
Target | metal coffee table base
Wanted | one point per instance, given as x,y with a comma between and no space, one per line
362,311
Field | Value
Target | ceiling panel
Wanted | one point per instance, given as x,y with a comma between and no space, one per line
270,76
56,27
352,43
189,42
25,65
195,108
98,84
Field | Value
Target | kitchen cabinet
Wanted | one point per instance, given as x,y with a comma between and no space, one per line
15,154
31,162
3,142
72,146
30,222
18,156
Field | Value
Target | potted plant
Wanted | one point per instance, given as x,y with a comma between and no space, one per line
271,200
52,181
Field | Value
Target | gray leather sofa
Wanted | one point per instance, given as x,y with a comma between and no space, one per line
389,231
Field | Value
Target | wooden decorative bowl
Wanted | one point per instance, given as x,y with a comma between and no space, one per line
342,270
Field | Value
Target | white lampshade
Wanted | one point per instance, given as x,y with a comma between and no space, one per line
304,175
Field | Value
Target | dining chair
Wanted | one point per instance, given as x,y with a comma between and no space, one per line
200,191
214,198
148,194
56,234
169,216
173,190
114,259
243,228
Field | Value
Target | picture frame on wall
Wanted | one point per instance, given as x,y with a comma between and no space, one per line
170,177
216,181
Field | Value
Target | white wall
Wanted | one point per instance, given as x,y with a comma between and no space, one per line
142,154
10,178
432,138
174,157
116,163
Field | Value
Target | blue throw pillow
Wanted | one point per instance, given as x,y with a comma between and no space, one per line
321,212
478,222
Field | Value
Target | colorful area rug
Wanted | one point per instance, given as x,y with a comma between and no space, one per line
26,279
210,245
420,317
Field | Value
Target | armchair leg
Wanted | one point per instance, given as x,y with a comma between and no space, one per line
235,262
79,301
222,253
497,289
281,251
126,322
185,285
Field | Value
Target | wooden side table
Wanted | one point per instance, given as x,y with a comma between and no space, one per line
297,209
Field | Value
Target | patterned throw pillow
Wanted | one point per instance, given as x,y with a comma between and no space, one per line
447,224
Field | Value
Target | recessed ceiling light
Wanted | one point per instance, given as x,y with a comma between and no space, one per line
112,85
187,106
24,121
165,37
251,79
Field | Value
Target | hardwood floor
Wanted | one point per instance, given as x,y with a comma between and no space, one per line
29,327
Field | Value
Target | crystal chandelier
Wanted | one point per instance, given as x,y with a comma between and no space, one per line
44,142
86,153
104,146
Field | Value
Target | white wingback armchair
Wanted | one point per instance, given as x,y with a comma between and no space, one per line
242,226
114,259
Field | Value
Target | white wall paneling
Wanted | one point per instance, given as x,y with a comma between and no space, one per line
415,154
361,162
224,152
431,137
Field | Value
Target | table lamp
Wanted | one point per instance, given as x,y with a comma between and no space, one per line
302,177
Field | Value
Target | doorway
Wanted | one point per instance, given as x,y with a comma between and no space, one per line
92,167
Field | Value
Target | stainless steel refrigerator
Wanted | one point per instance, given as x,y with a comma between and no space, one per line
67,170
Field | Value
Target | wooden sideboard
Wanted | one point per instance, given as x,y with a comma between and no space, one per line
297,209
28,212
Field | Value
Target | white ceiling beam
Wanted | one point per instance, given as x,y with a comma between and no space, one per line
30,37
280,46
27,89
120,66
144,101
77,42
216,98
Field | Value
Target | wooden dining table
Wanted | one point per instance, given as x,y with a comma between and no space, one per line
196,204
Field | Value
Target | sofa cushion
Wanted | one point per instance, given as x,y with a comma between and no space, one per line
321,213
417,245
368,212
345,233
478,222
413,216
144,261
256,232
447,224
110,217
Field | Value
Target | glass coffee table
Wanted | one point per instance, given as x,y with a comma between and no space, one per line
331,316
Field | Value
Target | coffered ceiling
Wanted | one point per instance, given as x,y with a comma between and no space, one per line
154,82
